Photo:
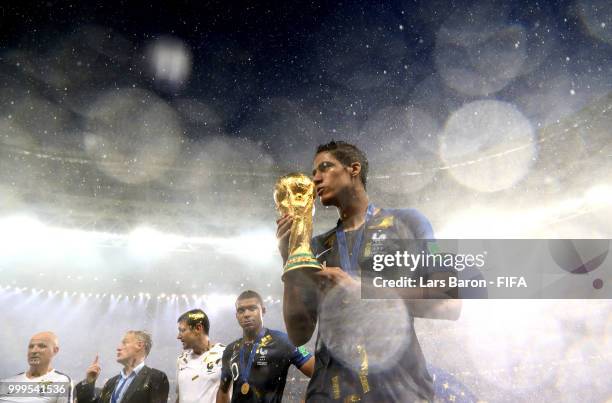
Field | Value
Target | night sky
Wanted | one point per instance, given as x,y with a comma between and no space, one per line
267,83
344,59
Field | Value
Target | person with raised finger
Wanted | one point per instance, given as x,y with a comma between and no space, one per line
136,382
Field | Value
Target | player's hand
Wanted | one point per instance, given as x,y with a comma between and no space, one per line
331,277
283,230
93,371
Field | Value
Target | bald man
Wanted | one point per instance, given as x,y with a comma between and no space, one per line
41,383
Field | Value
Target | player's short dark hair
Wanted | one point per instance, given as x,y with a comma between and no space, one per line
193,317
347,153
250,294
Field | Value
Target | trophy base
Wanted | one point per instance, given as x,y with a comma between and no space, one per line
301,262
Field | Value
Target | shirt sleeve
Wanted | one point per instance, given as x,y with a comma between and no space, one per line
419,224
418,228
298,355
423,232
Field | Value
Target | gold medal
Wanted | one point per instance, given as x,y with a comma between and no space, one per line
244,389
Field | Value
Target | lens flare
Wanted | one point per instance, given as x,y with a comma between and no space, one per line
488,145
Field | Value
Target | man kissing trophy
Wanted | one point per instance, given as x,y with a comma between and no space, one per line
294,195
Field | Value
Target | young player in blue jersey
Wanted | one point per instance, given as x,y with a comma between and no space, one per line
256,365
340,176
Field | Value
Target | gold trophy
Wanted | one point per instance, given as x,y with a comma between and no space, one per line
294,195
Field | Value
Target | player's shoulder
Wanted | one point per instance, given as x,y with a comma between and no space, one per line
403,213
184,356
61,377
277,336
216,350
416,221
218,347
233,345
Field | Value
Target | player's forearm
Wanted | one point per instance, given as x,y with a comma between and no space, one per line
308,367
300,317
223,397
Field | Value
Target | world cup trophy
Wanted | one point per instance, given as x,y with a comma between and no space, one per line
294,195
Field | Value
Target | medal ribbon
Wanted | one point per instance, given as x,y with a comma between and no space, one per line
349,265
245,368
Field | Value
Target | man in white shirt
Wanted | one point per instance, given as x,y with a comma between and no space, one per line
198,368
41,383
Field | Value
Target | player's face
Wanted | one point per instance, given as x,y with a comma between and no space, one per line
40,351
330,178
187,335
129,348
249,313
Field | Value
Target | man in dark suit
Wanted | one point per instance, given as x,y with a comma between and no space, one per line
136,383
